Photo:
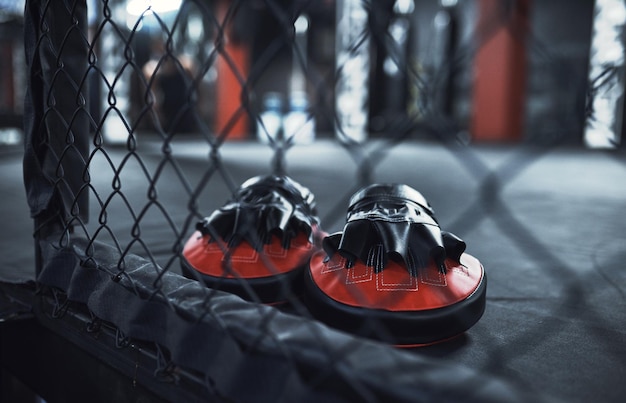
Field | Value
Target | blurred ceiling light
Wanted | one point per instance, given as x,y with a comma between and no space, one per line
139,7
403,7
449,3
301,24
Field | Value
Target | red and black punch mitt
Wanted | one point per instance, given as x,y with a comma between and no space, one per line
393,274
259,243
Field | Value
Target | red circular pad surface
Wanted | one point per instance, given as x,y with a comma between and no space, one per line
394,288
243,261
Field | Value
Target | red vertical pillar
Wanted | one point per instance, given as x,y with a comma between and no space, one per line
500,71
232,66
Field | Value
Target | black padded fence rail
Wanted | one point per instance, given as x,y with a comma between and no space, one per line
142,121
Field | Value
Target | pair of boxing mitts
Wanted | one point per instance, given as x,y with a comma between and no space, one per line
392,274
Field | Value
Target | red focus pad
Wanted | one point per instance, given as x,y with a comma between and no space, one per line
258,244
395,305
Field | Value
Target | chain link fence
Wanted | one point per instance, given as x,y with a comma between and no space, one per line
145,117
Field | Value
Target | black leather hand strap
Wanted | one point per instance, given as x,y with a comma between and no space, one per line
393,221
262,207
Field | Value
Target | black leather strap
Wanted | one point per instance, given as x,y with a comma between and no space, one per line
263,207
393,192
390,221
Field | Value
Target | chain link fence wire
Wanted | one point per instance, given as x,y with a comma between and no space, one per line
144,117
